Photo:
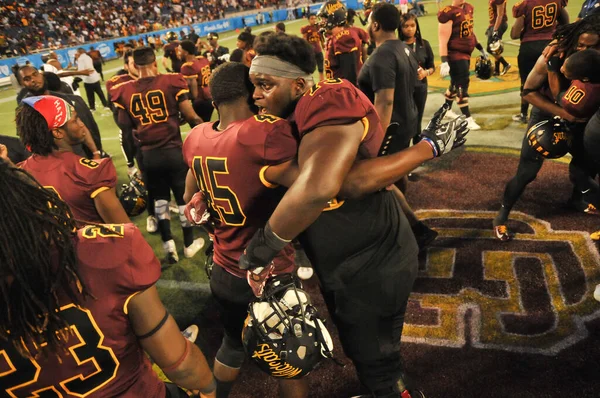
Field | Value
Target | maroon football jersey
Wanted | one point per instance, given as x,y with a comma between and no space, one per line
229,167
311,34
493,12
198,69
170,51
75,179
344,41
118,79
540,18
104,358
337,101
462,40
582,99
153,105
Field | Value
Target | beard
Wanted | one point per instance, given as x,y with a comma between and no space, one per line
41,91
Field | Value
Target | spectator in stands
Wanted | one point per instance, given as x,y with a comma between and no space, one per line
91,82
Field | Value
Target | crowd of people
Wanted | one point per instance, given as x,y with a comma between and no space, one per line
254,181
30,25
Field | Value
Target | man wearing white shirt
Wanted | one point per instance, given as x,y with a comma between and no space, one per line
92,81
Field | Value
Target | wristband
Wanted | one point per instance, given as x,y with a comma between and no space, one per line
444,58
432,145
274,241
211,387
96,153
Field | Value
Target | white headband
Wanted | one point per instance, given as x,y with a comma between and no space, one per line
270,65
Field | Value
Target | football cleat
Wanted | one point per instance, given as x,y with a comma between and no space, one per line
472,125
502,233
424,235
190,333
450,114
305,273
170,251
305,270
505,69
520,118
151,224
191,250
597,293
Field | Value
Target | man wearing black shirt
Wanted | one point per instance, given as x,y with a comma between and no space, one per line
214,51
388,79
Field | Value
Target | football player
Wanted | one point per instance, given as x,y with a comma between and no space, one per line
311,34
170,53
457,41
343,55
83,302
129,145
361,33
49,126
196,71
542,87
498,24
535,32
227,161
151,105
215,53
362,249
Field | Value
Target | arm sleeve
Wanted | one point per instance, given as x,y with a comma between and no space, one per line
429,57
519,9
95,176
332,104
383,74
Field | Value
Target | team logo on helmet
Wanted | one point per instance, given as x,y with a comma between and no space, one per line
171,36
333,13
549,138
283,333
134,197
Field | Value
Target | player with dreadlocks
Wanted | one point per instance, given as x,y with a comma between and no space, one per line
49,126
78,303
543,89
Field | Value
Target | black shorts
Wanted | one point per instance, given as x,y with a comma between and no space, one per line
591,140
172,391
529,52
370,319
490,31
204,109
320,60
166,171
233,296
460,75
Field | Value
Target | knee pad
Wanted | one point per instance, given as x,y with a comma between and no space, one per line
231,354
185,223
450,94
161,209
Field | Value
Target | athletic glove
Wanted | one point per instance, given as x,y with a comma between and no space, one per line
445,137
484,54
224,57
444,69
495,36
196,211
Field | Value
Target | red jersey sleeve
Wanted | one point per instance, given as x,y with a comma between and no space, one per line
304,30
445,15
93,176
331,102
177,86
187,71
519,9
344,42
143,268
364,36
276,143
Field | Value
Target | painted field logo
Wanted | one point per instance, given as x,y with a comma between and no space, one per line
529,295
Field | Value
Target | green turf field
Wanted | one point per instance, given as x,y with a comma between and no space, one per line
178,296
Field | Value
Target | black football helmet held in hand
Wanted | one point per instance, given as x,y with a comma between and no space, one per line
134,196
283,333
333,13
549,138
483,68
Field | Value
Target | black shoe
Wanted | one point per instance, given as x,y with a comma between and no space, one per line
424,235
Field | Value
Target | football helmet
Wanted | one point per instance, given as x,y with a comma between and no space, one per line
134,196
496,47
171,36
332,13
283,333
549,138
483,68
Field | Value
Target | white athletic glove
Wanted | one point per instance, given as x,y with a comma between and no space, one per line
444,69
133,172
485,54
445,137
224,57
